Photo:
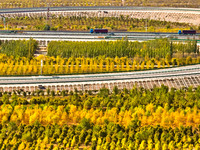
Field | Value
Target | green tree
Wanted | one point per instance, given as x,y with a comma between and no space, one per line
5,99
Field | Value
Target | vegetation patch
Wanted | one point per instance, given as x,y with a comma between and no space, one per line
121,48
121,119
73,23
19,48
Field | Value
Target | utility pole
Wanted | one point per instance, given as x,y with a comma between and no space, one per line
41,65
47,18
29,49
146,25
123,2
4,22
147,20
47,21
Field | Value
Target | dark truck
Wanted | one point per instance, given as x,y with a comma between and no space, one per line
98,30
187,32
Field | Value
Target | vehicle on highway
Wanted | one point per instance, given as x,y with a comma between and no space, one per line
169,36
41,87
187,32
10,31
111,33
98,30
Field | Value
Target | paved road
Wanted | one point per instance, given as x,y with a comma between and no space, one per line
44,9
116,33
182,15
86,36
152,74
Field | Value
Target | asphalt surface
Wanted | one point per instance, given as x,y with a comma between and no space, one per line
86,36
98,8
149,74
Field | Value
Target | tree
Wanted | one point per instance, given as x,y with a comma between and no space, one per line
46,27
179,145
104,92
157,145
87,104
115,90
171,145
87,140
63,93
189,60
73,142
142,65
22,146
85,124
197,147
150,144
165,146
27,137
24,93
52,93
143,145
5,99
48,91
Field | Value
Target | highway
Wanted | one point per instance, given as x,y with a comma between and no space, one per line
172,77
43,37
86,36
137,75
116,33
182,15
44,9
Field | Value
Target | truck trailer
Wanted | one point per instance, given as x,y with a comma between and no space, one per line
98,30
187,32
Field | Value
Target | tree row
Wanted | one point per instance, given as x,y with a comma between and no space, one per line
121,48
58,65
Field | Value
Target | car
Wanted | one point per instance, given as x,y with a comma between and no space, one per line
111,33
169,36
41,87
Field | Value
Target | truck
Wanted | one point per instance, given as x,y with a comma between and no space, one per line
98,30
187,32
